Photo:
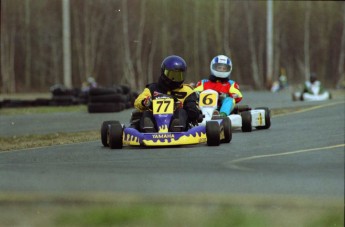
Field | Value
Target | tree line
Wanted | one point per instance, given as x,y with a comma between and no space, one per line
125,41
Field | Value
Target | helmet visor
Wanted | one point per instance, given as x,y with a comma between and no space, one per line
220,67
176,76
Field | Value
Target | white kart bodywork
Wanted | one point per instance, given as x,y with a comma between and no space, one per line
208,100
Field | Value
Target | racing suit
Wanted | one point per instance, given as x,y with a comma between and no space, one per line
229,93
185,94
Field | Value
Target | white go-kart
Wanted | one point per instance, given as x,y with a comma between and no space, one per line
242,117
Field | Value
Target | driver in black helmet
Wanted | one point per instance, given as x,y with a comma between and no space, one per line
170,82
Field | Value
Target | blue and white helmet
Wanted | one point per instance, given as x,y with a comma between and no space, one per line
221,66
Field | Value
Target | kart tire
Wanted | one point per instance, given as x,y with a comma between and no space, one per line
125,89
212,133
112,98
240,108
105,107
102,91
115,136
66,100
226,127
246,121
267,118
105,130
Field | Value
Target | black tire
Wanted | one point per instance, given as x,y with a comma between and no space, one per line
102,91
115,136
108,98
125,89
106,107
267,118
66,100
246,121
226,128
42,102
240,108
212,133
104,131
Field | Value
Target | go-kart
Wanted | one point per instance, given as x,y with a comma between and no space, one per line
242,117
115,135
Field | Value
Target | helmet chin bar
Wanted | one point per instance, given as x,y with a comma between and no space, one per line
222,75
169,84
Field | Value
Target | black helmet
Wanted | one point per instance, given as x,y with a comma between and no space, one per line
173,70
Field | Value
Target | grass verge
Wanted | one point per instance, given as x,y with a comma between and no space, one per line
31,141
43,109
110,209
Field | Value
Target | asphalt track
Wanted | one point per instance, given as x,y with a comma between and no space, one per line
302,154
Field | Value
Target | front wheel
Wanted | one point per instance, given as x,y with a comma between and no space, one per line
246,121
212,133
104,131
226,130
267,118
115,136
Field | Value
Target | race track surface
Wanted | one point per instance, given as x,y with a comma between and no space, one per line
302,154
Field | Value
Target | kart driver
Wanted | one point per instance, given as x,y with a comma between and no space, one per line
170,82
219,80
313,90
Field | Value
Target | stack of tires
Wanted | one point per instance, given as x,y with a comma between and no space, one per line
62,96
113,99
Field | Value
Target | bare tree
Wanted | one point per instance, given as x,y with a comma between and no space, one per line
139,46
129,74
226,28
125,44
306,40
269,43
91,26
217,25
196,52
341,66
66,40
8,33
253,54
27,45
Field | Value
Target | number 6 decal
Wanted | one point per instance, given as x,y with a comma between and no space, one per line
207,99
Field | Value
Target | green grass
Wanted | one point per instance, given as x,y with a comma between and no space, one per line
31,141
187,210
42,109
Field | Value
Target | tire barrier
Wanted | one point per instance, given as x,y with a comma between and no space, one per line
114,99
98,100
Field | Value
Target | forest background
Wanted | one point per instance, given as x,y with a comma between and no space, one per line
125,41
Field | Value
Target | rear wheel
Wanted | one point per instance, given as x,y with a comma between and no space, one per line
115,136
227,130
246,121
104,131
240,108
267,118
212,133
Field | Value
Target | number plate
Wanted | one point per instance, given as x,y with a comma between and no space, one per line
208,99
163,106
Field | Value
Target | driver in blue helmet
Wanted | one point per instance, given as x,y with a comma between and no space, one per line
170,82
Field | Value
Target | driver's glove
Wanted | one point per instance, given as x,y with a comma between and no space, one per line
147,101
234,95
222,96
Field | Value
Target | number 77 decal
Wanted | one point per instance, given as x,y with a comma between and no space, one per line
163,106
